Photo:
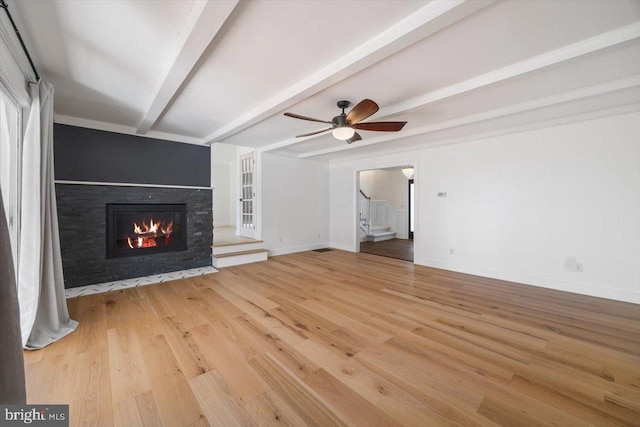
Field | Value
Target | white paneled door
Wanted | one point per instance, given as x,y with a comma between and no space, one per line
247,195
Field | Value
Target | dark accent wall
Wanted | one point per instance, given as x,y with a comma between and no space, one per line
89,155
82,220
98,156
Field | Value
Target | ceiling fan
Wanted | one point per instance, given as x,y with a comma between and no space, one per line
344,126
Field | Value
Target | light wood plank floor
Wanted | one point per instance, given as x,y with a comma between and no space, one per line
339,338
394,248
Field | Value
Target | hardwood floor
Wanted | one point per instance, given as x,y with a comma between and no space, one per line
394,248
338,338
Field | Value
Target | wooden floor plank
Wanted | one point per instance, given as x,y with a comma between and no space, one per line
90,390
218,404
359,410
307,403
126,414
176,403
270,410
126,364
339,338
148,409
227,358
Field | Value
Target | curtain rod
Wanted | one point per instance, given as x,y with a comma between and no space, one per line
24,48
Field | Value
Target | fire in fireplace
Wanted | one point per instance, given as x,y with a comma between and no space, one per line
140,229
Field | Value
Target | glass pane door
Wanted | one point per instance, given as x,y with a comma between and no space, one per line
247,195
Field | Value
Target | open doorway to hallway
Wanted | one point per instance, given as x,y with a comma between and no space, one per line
385,213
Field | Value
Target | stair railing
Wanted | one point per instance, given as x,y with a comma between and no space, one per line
364,203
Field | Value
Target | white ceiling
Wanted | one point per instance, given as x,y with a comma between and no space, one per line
225,71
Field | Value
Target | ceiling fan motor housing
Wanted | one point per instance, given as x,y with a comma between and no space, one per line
340,121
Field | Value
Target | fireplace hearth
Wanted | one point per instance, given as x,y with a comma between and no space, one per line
142,229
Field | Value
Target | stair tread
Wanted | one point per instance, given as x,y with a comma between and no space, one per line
220,245
381,233
254,251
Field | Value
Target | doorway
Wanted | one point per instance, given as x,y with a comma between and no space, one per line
233,176
385,213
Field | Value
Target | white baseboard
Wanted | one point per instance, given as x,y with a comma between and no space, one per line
543,282
294,249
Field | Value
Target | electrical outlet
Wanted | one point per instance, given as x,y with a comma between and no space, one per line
579,267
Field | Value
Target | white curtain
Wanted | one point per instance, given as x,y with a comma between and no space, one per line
44,317
12,386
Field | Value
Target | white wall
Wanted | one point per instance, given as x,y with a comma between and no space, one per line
524,207
294,204
224,182
386,184
342,208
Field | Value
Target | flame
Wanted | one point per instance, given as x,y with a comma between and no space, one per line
168,229
147,234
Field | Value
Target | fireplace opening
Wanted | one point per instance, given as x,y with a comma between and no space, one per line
141,229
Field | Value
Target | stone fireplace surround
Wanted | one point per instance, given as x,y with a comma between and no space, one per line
82,223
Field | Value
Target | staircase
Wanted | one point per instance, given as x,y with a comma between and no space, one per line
243,251
369,232
378,234
364,206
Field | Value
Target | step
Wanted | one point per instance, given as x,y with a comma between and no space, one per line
236,247
380,236
239,257
380,228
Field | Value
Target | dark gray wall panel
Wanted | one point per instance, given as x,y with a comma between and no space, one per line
98,156
82,220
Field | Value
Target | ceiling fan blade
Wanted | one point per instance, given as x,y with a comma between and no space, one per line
311,119
313,133
356,137
381,126
364,109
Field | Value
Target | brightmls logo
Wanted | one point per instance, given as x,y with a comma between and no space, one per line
27,416
37,415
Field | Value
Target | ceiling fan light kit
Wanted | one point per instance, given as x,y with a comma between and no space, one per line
344,125
343,133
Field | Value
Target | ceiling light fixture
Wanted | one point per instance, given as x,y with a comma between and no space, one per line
345,126
343,133
408,172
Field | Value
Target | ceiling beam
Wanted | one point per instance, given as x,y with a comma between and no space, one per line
580,117
548,101
202,25
127,130
431,18
554,57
